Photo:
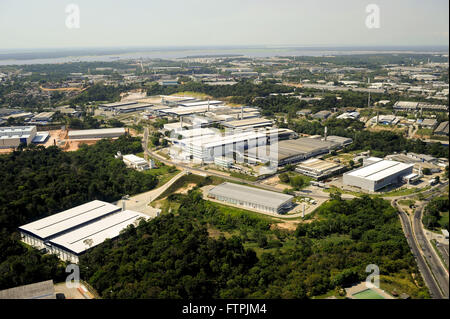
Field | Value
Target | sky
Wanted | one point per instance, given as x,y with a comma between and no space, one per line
28,24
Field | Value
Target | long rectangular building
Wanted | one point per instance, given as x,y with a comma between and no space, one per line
206,148
70,246
252,198
317,168
39,232
293,151
96,133
377,175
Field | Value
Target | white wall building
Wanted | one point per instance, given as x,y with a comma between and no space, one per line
377,175
96,133
72,232
12,136
70,246
39,232
135,162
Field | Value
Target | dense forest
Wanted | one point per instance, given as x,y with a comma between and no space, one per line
432,217
36,182
175,255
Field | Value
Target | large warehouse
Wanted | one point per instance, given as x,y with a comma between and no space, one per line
252,198
293,151
12,136
39,232
96,133
377,175
318,169
71,245
206,148
71,232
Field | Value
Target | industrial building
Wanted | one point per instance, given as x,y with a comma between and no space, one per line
125,107
418,106
251,198
71,245
223,161
39,232
189,110
136,162
293,151
42,118
41,137
96,133
112,106
385,119
248,123
38,290
429,123
442,129
72,232
322,115
318,169
132,108
12,136
206,148
377,174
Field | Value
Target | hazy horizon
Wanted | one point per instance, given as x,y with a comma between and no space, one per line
27,24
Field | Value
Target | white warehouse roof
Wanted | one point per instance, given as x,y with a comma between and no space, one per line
200,103
134,159
55,224
379,170
114,130
250,194
93,234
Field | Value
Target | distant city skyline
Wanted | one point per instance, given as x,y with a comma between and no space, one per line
26,24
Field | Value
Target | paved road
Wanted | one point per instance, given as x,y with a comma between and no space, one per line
444,251
424,270
433,271
438,269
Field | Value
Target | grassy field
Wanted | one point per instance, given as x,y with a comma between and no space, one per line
189,179
163,173
402,192
424,132
234,211
444,219
243,176
406,202
367,294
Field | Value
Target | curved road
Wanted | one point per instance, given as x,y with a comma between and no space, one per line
433,272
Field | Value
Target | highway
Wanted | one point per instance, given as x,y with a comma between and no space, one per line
433,271
438,269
